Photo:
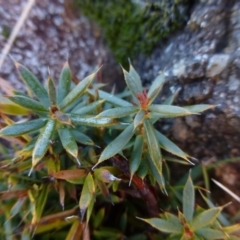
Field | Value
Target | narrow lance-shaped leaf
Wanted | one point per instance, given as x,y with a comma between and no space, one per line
153,146
136,156
8,107
89,108
156,87
87,194
118,112
28,103
81,137
211,234
188,199
76,231
64,82
40,203
163,225
205,218
116,101
52,91
91,121
89,209
63,118
198,108
42,143
33,84
134,85
169,146
135,76
169,111
104,175
23,128
77,91
70,174
138,119
117,144
68,141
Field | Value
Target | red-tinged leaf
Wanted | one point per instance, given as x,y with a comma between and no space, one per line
61,193
104,190
70,174
5,195
104,175
76,231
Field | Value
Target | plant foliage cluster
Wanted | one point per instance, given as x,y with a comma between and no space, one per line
133,26
83,149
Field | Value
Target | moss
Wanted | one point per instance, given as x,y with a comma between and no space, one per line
137,26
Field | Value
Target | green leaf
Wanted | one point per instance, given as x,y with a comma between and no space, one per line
163,225
153,146
117,144
116,101
81,137
134,85
198,108
172,218
86,194
28,103
75,231
42,143
143,169
16,208
205,218
33,84
170,99
156,87
136,156
169,111
89,209
52,91
135,76
89,108
64,82
209,233
63,118
139,118
8,107
77,91
169,146
188,199
91,121
23,128
68,141
118,112
40,202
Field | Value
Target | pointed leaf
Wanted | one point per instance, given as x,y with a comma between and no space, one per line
135,76
89,108
188,199
170,111
136,156
169,146
91,121
143,169
118,112
117,144
211,234
163,225
198,108
77,91
19,129
42,143
17,206
205,218
89,209
170,100
156,87
28,103
33,84
172,218
134,85
86,194
8,107
76,231
52,91
139,118
81,137
68,141
153,146
64,82
116,101
70,174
